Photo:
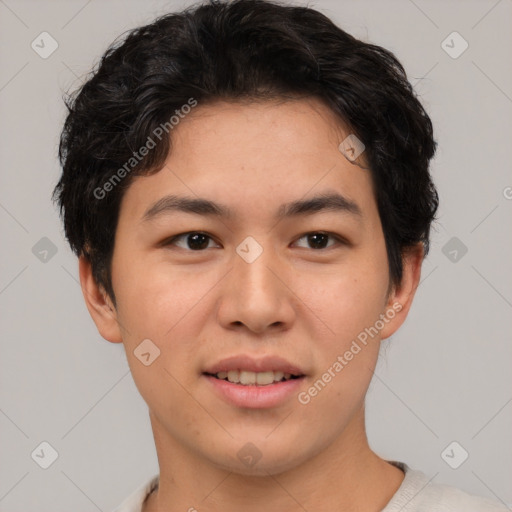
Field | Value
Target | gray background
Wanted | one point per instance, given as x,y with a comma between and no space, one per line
444,377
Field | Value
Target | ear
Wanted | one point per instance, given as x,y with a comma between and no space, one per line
400,299
98,303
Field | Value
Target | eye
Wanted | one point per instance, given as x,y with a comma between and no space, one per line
319,239
194,240
198,241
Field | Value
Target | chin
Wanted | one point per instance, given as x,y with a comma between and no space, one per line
261,459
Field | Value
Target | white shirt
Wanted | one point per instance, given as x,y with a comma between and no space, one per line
415,494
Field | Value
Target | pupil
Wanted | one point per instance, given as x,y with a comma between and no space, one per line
197,241
313,240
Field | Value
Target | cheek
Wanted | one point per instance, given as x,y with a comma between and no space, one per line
166,308
170,307
348,349
347,300
155,296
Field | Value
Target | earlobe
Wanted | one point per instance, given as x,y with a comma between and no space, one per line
401,297
98,303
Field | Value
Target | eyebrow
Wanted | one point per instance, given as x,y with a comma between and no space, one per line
199,206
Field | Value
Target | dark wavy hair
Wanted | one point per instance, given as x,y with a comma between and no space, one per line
240,50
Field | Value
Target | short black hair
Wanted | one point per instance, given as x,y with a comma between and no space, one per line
237,51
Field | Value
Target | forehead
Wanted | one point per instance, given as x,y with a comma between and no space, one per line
252,155
264,129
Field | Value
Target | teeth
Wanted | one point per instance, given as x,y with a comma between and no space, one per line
247,377
278,376
233,376
252,378
264,378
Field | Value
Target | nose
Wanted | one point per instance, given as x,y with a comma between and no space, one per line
257,295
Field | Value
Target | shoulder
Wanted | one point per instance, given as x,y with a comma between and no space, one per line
419,494
135,501
444,498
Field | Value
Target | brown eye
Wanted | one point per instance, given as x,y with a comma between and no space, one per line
194,241
319,240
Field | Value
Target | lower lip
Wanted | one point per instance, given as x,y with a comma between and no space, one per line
255,397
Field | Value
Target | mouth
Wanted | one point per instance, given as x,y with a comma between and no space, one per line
249,378
250,382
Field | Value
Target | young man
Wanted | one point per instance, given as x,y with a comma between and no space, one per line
247,188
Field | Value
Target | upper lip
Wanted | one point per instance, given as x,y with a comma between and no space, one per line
254,364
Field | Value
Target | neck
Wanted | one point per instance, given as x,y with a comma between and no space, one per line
346,476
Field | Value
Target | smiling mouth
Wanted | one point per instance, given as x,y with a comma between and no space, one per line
248,378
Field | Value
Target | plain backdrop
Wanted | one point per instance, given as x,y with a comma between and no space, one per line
444,377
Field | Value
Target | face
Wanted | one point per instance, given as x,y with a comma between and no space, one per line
286,273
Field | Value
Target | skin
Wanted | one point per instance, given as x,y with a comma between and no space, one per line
302,303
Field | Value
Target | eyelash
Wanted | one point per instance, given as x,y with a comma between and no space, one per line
171,241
